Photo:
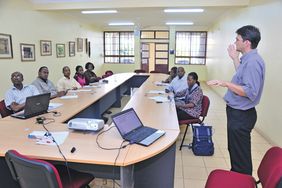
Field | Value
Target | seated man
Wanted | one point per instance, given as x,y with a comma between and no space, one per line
16,96
191,105
89,74
179,83
172,75
67,83
44,85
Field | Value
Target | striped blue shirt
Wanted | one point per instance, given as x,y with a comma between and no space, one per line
19,96
250,75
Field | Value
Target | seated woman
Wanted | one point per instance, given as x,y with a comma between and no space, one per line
172,74
190,106
79,76
89,74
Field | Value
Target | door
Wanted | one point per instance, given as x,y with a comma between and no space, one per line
161,57
145,55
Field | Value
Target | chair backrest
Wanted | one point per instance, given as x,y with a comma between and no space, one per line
270,168
205,106
32,173
3,110
139,71
154,71
109,72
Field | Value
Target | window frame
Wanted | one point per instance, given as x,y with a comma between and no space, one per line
189,57
117,56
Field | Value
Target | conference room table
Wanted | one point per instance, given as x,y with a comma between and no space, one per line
135,166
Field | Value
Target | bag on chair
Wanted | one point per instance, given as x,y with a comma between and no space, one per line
202,144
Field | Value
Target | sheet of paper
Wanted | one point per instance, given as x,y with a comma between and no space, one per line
79,90
156,92
42,138
160,98
158,83
53,106
69,97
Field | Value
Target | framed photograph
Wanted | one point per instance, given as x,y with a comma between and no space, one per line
27,52
6,50
45,47
60,49
71,48
79,44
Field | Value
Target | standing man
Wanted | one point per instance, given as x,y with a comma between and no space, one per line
243,94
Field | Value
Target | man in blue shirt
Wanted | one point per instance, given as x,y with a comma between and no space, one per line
16,96
243,94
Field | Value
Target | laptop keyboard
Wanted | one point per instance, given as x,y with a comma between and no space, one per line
140,134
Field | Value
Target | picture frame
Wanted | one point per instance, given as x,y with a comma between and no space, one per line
6,49
60,50
27,52
71,48
79,44
45,47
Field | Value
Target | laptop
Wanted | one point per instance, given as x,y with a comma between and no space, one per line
34,106
131,128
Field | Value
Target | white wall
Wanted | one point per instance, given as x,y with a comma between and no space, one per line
28,26
266,15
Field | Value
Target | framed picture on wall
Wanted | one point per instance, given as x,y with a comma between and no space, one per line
60,49
71,48
6,50
79,44
45,47
27,52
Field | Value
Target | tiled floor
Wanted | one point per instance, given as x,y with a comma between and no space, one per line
192,171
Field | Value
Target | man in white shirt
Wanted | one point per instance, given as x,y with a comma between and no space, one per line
67,83
179,83
15,97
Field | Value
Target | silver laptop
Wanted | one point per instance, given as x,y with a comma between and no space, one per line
34,106
131,128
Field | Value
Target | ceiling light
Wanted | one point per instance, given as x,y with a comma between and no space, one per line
121,23
179,23
184,10
98,11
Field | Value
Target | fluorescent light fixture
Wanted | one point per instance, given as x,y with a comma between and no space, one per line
121,23
98,11
179,23
184,10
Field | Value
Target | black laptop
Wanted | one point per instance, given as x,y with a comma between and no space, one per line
131,128
34,106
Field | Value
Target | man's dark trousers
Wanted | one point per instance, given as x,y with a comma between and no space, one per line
239,126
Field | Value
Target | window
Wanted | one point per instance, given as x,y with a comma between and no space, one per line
191,48
119,47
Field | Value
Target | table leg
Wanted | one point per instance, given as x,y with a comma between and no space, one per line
127,176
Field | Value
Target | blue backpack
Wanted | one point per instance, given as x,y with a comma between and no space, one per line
202,144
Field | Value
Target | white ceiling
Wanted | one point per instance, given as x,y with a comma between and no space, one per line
144,13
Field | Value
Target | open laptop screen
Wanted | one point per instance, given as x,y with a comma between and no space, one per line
126,121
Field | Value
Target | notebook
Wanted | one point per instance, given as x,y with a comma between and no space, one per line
34,105
131,128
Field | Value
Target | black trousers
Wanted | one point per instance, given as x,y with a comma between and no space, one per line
239,126
182,115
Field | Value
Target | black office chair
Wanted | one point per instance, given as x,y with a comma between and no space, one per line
33,173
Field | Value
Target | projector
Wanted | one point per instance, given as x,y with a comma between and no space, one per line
86,124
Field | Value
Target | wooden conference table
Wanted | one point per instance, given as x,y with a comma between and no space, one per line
136,166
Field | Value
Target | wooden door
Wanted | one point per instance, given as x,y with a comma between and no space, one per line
145,55
161,57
